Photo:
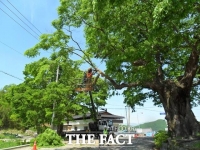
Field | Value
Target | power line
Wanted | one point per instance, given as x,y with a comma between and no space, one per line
24,17
148,109
18,23
11,48
22,21
121,105
10,75
19,18
137,108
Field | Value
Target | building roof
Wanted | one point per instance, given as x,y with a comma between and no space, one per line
101,114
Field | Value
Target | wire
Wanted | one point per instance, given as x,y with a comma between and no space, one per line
24,17
121,105
19,18
10,75
148,109
18,24
137,108
11,48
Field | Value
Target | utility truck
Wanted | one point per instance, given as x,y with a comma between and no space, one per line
95,128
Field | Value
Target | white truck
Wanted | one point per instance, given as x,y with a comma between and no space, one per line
95,128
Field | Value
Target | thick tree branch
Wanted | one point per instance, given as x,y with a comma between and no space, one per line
191,68
192,63
95,80
122,85
159,73
113,82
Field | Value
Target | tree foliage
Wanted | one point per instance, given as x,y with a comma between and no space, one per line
150,49
8,118
142,38
48,82
152,45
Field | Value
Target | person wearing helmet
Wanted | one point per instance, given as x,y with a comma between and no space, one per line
87,76
89,73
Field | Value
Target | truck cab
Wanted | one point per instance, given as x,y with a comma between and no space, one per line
105,123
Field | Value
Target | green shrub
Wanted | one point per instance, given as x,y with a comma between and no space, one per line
47,139
198,134
160,137
196,145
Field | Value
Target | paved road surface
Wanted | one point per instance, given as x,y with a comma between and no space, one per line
145,143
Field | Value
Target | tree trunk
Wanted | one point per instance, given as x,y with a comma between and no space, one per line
180,118
60,129
38,128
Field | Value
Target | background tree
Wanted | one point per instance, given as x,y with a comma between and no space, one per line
41,81
151,50
34,99
5,109
8,118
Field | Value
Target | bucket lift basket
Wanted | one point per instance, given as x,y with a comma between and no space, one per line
84,87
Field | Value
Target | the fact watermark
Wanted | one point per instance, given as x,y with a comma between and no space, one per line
102,139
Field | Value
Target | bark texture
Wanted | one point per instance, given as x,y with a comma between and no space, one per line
60,129
177,104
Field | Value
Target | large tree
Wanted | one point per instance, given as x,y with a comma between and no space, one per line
151,45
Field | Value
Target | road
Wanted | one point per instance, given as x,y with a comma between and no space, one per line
140,143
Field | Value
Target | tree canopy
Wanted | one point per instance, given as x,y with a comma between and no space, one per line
48,96
151,45
141,42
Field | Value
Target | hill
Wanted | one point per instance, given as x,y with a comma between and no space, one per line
157,125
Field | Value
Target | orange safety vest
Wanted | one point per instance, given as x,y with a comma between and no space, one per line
89,75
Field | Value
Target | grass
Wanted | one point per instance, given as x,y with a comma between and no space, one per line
8,136
10,143
10,140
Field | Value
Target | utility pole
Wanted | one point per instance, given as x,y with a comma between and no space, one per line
129,119
138,120
54,102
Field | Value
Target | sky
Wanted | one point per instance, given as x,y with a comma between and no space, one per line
22,22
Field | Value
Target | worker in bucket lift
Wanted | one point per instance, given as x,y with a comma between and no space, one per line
87,76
